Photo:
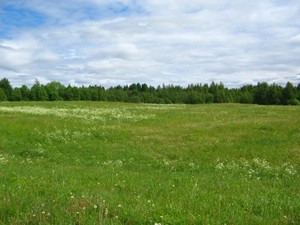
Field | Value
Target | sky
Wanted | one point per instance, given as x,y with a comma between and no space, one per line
180,42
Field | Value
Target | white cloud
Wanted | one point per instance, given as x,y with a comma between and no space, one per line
156,42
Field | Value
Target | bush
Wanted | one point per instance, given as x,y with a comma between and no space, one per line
294,101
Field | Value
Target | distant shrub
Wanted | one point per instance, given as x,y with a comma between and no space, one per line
294,101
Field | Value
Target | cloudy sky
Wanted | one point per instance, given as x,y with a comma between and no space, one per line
111,42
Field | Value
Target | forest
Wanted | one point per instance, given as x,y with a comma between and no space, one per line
262,93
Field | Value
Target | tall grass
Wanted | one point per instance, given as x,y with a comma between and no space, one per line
111,163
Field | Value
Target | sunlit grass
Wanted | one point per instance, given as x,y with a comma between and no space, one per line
111,163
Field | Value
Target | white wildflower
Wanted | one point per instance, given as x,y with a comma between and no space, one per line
220,166
3,159
192,165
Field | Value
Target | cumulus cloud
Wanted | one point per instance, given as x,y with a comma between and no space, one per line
180,42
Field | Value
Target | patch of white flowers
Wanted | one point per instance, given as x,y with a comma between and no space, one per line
117,163
256,168
4,159
160,106
87,114
65,135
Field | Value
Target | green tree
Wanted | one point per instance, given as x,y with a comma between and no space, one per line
298,91
145,88
134,99
68,93
16,95
85,94
54,89
260,93
101,93
76,94
38,92
7,88
94,93
289,94
274,94
25,92
193,97
246,97
3,96
218,92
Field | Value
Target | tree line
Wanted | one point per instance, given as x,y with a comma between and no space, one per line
262,93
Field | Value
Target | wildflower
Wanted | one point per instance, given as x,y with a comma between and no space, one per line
220,166
290,170
3,159
192,165
95,206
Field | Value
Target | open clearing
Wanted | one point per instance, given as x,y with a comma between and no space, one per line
113,163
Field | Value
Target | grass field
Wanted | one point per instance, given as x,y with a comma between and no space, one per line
111,163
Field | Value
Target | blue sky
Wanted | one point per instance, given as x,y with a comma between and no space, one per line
111,42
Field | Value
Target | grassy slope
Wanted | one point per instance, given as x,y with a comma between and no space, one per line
147,164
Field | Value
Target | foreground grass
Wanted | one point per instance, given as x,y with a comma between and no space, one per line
108,163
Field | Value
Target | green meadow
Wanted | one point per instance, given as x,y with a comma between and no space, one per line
117,163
